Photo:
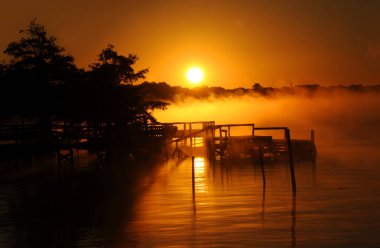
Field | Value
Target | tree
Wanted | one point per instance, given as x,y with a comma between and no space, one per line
42,81
35,72
258,88
111,93
113,69
3,69
38,58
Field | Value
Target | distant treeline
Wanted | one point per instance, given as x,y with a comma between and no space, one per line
165,92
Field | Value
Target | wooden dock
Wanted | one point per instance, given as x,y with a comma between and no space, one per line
223,143
182,138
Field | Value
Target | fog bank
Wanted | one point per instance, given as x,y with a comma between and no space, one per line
345,116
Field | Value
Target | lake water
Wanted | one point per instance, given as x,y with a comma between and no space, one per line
336,205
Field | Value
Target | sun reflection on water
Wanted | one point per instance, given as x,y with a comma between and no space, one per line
200,175
198,142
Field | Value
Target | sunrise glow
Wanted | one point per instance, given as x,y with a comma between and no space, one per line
195,75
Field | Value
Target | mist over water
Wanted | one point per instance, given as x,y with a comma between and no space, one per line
335,117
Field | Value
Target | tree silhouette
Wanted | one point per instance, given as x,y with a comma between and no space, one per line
36,70
41,81
37,57
258,88
3,69
110,92
113,69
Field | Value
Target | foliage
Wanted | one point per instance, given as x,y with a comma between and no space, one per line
40,81
37,57
31,77
165,92
110,92
114,69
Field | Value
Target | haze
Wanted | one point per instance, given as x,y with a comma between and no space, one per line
347,117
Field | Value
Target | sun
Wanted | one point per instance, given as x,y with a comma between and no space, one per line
194,75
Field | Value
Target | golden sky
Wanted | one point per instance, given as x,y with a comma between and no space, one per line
236,42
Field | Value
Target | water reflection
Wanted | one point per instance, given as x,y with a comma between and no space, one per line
227,200
156,207
294,219
263,206
197,142
199,174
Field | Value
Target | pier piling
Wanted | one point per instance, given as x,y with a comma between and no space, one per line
291,162
262,166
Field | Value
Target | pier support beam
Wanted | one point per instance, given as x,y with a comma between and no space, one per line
193,183
291,162
262,166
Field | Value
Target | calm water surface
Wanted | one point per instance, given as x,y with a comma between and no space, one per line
336,205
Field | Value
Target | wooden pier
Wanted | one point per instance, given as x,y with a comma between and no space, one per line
181,138
222,142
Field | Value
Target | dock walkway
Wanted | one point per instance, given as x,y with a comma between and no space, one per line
221,141
224,142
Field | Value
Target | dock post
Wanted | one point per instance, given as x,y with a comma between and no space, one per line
291,162
193,172
262,166
314,148
213,134
184,133
191,135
